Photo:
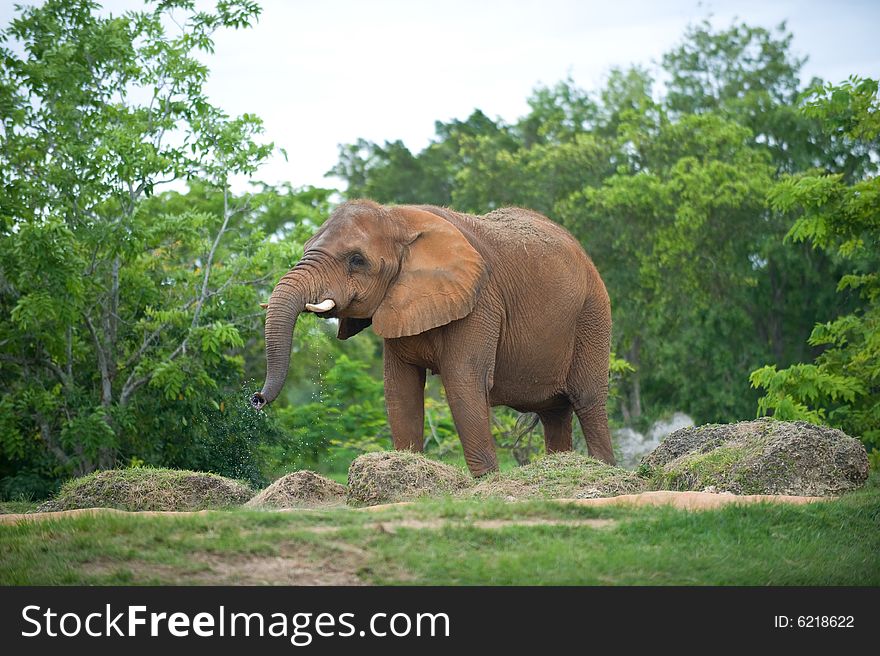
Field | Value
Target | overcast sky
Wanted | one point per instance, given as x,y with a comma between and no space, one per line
321,73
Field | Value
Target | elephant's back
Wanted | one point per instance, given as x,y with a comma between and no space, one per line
512,229
519,225
528,249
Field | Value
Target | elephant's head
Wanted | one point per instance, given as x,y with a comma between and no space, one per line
403,269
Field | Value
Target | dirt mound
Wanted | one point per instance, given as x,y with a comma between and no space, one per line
301,488
147,488
758,457
398,476
568,474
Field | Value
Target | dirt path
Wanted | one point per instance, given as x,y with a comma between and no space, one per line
392,526
682,500
92,512
389,526
693,500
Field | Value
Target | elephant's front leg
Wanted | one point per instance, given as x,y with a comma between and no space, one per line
468,399
405,402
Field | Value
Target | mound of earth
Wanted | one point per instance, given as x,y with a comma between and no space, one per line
400,476
568,475
758,457
301,488
148,488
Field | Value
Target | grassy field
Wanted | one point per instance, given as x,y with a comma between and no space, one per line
451,541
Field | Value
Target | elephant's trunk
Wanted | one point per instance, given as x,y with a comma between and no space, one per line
287,301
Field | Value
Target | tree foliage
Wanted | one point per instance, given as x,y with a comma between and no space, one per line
733,218
125,311
669,196
841,387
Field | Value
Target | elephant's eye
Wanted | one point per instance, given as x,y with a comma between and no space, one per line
356,261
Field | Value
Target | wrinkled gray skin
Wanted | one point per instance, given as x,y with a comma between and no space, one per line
506,308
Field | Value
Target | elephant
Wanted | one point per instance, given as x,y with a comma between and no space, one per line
507,308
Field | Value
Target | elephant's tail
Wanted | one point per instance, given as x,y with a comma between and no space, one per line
525,424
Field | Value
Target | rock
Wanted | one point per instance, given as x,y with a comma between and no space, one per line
149,488
663,427
392,476
298,489
568,475
631,446
758,457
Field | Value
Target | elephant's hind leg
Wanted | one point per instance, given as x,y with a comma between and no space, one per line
557,429
587,381
594,423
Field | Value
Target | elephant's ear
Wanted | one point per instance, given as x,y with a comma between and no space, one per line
440,277
349,327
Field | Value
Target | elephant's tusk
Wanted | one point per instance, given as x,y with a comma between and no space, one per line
324,306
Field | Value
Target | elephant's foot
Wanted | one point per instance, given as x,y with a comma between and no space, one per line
482,465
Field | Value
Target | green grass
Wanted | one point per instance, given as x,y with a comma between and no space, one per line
831,543
837,544
338,476
12,507
561,475
698,470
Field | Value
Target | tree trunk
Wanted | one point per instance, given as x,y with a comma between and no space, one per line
775,319
635,391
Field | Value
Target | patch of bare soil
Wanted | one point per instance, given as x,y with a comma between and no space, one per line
681,500
392,526
92,512
295,565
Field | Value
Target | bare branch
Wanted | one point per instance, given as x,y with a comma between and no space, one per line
253,315
148,339
133,382
204,294
112,309
103,365
46,435
131,386
69,338
45,362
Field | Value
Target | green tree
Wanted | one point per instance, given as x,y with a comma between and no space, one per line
671,235
557,115
729,110
842,386
120,320
749,74
218,431
669,196
392,174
